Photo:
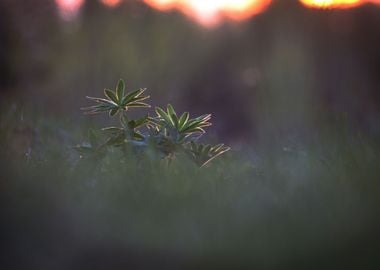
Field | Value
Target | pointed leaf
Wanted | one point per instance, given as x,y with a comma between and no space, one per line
140,98
132,95
164,116
183,120
214,156
217,147
111,95
190,125
197,129
120,89
206,124
204,117
96,109
171,112
112,129
102,100
138,104
183,137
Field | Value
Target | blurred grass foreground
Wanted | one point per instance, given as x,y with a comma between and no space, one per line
294,91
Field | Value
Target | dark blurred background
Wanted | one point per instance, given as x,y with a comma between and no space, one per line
280,72
294,91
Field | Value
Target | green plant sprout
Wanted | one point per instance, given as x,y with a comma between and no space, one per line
167,133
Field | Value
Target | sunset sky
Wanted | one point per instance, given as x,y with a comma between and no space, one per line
211,12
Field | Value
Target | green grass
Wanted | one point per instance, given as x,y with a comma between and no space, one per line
314,206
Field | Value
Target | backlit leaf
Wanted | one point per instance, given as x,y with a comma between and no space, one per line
183,120
120,89
111,95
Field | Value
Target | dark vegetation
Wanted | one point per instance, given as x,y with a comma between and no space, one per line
315,206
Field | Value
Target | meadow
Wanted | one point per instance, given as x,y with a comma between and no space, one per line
313,206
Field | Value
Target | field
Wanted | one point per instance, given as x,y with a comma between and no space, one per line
312,205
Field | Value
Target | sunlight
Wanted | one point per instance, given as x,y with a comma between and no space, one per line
111,3
68,9
211,12
162,4
336,3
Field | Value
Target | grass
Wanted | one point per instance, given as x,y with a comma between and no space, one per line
312,207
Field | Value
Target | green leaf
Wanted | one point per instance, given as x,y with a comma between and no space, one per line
112,129
171,112
204,117
225,149
114,111
96,109
111,95
138,136
164,116
204,154
140,98
190,125
102,100
116,101
181,138
120,89
196,124
205,124
138,104
197,129
141,121
217,147
183,120
132,95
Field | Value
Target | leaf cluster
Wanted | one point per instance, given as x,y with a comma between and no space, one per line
169,134
117,100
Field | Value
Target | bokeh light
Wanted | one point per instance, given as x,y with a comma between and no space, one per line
111,3
336,3
69,8
212,12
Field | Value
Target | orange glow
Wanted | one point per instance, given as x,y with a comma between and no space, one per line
69,8
111,3
211,12
336,3
162,5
